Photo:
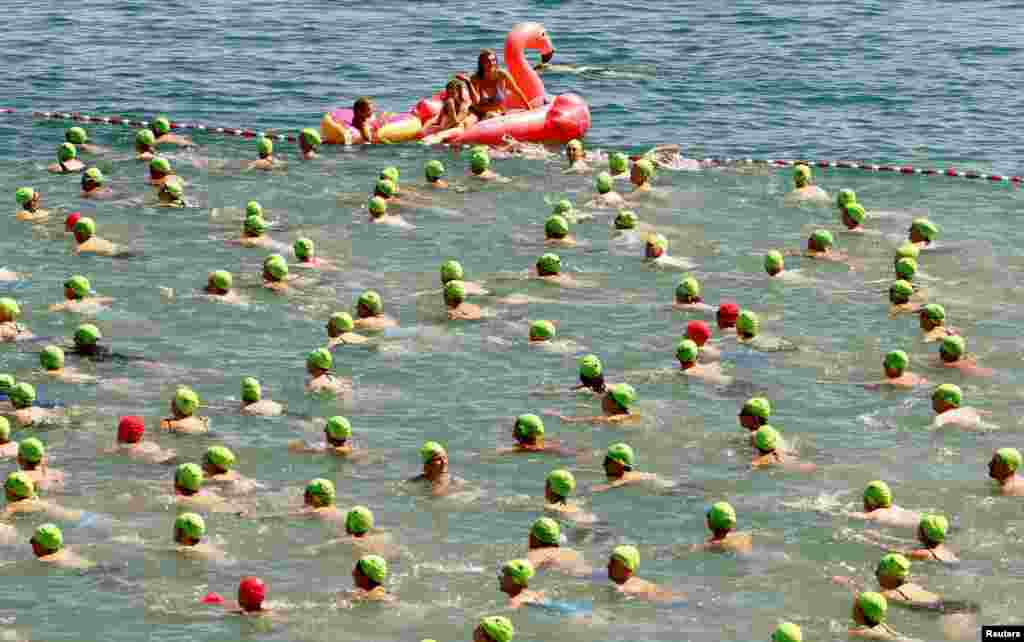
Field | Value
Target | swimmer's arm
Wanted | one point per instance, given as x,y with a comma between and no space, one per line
299,446
510,81
365,132
848,582
600,488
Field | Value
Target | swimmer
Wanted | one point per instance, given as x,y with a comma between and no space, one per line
218,288
869,611
188,487
172,193
755,413
360,534
946,400
265,148
92,184
28,200
160,171
626,221
906,268
542,331
318,364
480,167
768,443
253,402
546,550
688,295
558,486
183,417
362,115
893,575
52,361
338,436
20,491
774,263
254,233
67,161
721,520
591,375
86,241
494,629
878,507
688,355
340,331
606,197
787,632
145,145
455,302
577,158
217,466
48,546
32,460
435,172
70,221
1003,468
305,252
189,530
252,591
844,198
615,403
896,374
130,431
22,397
368,575
275,273
78,137
10,329
622,566
618,469
700,332
565,209
161,128
805,189
932,321
370,312
931,532
952,354
549,267
309,143
748,324
900,293
726,317
556,231
435,469
922,232
514,581
528,431
8,448
820,247
387,189
377,206
641,175
77,290
853,216
618,165
906,250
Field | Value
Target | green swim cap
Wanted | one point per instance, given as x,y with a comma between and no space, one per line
221,279
689,287
371,300
925,228
542,330
161,126
721,516
341,322
19,485
845,197
31,450
338,427
76,135
906,268
893,565
434,170
160,164
6,383
94,174
900,291
190,525
687,351
251,390
451,270
621,453
359,520
145,138
264,146
66,152
24,194
175,188
748,322
787,632
51,358
877,494
949,393
766,439
896,360
626,220
390,173
304,249
79,285
498,628
189,477
454,292
618,162
10,307
822,239
220,457
646,168
546,531
384,187
574,144
49,538
953,346
186,400
549,264
603,182
874,606
322,490
906,249
320,358
659,241
276,267
802,174
773,261
311,136
856,213
563,206
85,228
254,226
431,451
934,528
22,395
528,426
479,162
628,555
5,430
562,482
623,394
519,571
556,227
934,312
590,366
758,407
377,206
253,208
1010,457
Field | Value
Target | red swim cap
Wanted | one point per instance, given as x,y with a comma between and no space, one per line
130,429
251,591
729,311
698,332
69,222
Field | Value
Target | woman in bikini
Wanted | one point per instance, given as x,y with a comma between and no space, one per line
489,86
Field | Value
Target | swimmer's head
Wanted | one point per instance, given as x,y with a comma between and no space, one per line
893,566
895,363
47,540
320,493
434,170
946,397
721,517
906,268
603,183
622,454
787,632
923,230
562,207
186,401
86,335
339,324
626,220
545,531
377,206
627,556
144,139
495,629
479,162
820,241
220,282
338,430
877,495
67,152
900,292
451,270
592,372
1010,458
932,529
188,478
253,208
76,136
173,191
51,358
556,227
92,178
687,353
310,138
907,250
251,593
623,394
748,324
370,304
252,391
932,316
542,330
431,451
549,264
656,246
319,360
454,293
71,221
391,173
871,607
30,452
574,149
304,249
78,287
726,315
264,146
528,428
643,171
359,521
561,484
24,195
518,571
218,460
854,215
159,166
9,309
952,348
766,439
774,262
5,430
254,226
85,229
22,395
802,175
130,429
18,486
189,528
845,197
688,291
618,162
275,268
161,126
759,409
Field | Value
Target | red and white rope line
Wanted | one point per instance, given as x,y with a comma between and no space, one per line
118,120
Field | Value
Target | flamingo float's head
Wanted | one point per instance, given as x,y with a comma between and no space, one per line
533,35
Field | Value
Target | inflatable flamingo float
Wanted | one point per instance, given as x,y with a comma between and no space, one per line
541,121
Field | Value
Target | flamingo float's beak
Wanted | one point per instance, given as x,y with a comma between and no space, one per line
546,57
